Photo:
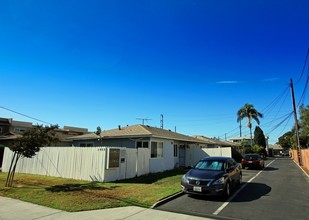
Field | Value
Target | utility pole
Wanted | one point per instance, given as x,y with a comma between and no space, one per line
161,121
296,124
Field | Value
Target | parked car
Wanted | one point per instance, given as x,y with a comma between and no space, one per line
253,161
212,176
284,153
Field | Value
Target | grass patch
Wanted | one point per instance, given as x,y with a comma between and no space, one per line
73,195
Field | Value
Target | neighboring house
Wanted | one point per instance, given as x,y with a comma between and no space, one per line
240,140
274,149
11,129
5,135
67,131
18,127
214,143
247,140
5,124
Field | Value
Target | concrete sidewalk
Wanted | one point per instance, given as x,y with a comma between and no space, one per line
12,209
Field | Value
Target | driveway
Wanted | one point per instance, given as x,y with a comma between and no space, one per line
280,191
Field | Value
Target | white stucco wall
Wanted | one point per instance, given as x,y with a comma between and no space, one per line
195,153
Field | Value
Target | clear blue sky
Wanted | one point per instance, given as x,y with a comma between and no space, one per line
107,63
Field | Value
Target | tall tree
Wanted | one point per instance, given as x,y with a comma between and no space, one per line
286,141
248,111
260,141
304,126
28,145
259,137
304,120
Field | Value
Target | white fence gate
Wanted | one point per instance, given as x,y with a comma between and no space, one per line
82,163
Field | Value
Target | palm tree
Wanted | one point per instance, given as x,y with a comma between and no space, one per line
248,111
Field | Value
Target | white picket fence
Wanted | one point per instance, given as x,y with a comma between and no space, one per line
82,163
91,163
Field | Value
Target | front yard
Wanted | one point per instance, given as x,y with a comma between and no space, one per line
73,195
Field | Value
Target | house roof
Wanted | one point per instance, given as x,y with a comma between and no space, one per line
241,138
137,131
9,136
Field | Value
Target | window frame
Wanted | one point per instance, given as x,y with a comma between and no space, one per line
87,144
156,150
143,144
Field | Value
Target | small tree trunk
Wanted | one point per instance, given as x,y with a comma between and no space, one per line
10,170
13,171
10,177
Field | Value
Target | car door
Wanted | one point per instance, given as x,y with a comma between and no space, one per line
232,171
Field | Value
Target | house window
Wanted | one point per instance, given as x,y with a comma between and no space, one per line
175,150
113,158
86,144
156,149
0,130
142,144
19,130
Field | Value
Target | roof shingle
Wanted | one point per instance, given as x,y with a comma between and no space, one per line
139,131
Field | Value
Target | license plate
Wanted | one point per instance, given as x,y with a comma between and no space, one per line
250,161
197,188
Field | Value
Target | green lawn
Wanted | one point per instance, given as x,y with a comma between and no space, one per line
73,195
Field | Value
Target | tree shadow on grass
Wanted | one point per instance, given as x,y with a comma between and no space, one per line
78,187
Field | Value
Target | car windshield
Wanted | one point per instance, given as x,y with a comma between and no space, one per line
209,165
252,157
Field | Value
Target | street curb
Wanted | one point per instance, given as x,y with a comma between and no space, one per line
167,199
301,168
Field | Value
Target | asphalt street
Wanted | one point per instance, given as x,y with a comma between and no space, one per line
280,191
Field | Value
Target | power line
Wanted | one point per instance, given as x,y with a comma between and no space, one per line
287,118
25,115
302,98
271,106
304,67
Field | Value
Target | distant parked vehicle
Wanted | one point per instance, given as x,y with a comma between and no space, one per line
284,153
212,176
253,161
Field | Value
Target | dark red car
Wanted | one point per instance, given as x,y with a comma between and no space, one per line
252,161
